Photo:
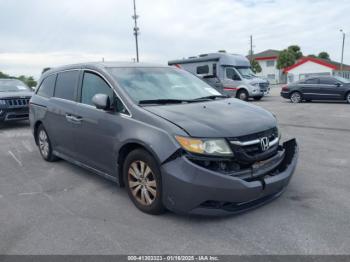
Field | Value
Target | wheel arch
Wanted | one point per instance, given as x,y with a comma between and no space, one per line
240,89
36,127
346,94
123,153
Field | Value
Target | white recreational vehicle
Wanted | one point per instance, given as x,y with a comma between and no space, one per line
230,74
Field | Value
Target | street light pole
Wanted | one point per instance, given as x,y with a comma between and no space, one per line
136,32
342,53
251,50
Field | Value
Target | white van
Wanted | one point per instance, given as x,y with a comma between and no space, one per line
230,74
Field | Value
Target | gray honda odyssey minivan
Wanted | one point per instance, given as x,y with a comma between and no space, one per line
172,140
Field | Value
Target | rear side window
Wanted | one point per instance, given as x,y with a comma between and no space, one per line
311,81
47,86
203,70
92,85
327,81
66,84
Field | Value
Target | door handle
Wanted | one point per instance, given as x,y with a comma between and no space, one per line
73,119
77,119
69,117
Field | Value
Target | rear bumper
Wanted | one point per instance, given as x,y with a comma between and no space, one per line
17,114
189,188
285,95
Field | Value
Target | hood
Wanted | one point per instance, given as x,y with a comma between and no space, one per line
21,94
221,118
255,80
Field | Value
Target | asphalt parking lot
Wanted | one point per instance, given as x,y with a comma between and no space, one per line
57,208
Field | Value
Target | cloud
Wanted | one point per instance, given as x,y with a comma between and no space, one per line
39,33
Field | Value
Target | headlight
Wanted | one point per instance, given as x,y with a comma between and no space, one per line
255,84
2,102
216,147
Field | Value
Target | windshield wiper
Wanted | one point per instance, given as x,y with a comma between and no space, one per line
213,97
179,101
161,101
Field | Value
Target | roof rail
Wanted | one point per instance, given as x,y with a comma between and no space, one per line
202,55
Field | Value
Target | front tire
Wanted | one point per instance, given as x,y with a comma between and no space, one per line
348,97
243,95
44,144
143,182
295,97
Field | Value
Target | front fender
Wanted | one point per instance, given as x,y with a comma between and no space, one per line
157,141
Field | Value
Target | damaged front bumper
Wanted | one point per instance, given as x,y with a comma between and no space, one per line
191,188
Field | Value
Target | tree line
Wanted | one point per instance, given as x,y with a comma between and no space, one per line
28,80
289,57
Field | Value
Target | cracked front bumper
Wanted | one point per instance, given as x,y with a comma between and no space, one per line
190,188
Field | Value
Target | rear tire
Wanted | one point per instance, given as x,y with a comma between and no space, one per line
143,182
44,144
243,95
258,98
295,97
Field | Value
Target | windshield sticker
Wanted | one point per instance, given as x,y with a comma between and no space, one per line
21,87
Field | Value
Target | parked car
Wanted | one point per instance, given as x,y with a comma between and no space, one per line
230,74
318,88
170,138
14,100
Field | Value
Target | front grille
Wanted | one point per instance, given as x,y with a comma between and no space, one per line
17,116
270,133
263,87
17,102
255,149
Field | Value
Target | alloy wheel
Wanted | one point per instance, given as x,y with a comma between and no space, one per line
142,183
44,143
348,98
295,97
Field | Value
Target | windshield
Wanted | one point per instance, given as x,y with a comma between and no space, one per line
12,85
149,83
246,72
342,79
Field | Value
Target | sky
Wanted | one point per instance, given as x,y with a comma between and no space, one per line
46,33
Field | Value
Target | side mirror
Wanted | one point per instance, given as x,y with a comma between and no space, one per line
101,101
337,84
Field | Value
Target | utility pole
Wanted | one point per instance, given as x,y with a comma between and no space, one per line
251,50
136,32
342,53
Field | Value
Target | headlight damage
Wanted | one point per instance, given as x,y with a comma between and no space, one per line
210,147
233,155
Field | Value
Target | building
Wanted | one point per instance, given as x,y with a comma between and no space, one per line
304,67
311,66
268,61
